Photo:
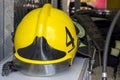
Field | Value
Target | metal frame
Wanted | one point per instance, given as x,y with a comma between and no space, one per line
1,29
54,3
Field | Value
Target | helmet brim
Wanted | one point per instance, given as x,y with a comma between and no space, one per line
37,70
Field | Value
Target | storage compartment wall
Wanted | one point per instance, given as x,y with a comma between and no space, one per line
6,27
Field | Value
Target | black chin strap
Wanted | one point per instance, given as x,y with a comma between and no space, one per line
8,68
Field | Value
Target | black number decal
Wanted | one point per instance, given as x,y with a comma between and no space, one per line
71,41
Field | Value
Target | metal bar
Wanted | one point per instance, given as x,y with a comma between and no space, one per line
1,29
54,3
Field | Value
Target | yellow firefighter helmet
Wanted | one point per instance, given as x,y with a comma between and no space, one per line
46,36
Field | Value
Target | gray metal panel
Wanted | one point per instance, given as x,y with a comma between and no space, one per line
6,27
1,29
65,5
54,3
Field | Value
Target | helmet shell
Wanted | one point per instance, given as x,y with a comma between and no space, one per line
54,26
